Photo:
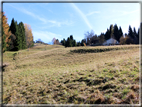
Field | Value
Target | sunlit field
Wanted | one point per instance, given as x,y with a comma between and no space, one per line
53,74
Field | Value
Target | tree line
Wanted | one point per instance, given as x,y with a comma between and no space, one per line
17,36
71,42
91,38
114,32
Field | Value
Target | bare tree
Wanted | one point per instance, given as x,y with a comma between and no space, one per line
88,36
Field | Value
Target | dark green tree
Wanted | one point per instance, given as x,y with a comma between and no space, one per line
137,35
78,43
14,30
63,42
11,44
74,43
19,36
116,32
71,39
82,42
134,32
68,43
107,34
120,33
101,38
22,35
12,27
94,39
17,43
130,32
111,30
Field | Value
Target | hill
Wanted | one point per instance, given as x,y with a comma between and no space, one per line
53,74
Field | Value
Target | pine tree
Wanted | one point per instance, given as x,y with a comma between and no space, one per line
120,32
19,36
13,31
22,36
130,32
137,35
107,34
74,43
111,30
134,32
69,42
101,38
18,39
11,44
78,43
64,41
13,27
116,33
71,39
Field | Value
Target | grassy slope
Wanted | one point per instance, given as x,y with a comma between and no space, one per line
53,74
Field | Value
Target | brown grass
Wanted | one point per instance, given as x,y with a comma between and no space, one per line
55,75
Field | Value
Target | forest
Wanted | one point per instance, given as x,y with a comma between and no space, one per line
17,36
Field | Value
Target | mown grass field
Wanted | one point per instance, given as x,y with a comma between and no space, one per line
52,74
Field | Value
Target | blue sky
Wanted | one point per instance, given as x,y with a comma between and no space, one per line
60,20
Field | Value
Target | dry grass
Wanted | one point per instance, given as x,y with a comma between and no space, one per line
48,74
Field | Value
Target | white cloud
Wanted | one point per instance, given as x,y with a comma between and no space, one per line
82,15
91,13
45,36
59,24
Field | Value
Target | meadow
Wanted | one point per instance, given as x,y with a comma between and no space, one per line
53,74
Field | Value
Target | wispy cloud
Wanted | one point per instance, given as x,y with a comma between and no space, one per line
53,23
82,15
59,24
45,35
23,10
91,13
34,15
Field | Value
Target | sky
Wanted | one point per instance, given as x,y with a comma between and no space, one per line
60,20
